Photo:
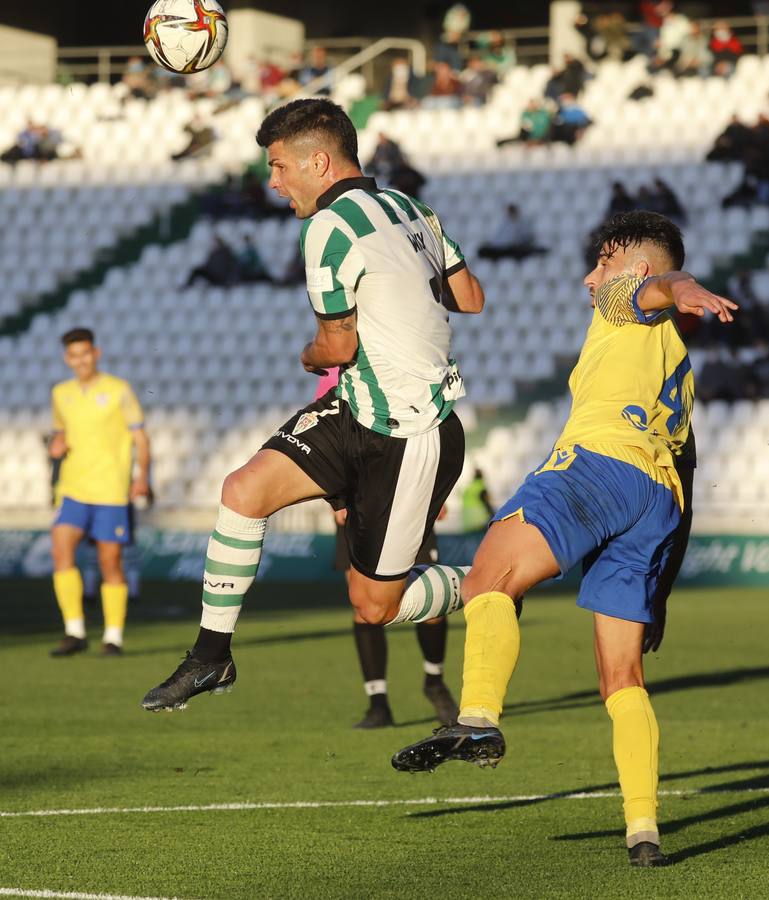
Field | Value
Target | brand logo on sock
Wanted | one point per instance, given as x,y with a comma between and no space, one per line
204,680
219,584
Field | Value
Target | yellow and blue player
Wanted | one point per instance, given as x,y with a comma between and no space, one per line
98,423
608,497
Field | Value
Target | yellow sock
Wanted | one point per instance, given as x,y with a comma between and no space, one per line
114,603
492,644
68,587
636,753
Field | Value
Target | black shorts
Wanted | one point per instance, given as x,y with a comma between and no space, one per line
392,487
427,555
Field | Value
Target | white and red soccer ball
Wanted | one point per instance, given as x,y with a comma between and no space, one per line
185,36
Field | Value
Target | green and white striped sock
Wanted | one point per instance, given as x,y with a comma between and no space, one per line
431,591
233,555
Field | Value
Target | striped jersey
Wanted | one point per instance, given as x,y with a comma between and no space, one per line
384,255
633,387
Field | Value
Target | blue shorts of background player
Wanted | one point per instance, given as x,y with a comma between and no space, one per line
607,514
101,522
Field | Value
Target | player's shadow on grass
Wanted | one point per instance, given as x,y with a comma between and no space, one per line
584,699
758,782
292,638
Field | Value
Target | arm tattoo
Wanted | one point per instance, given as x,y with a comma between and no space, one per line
339,326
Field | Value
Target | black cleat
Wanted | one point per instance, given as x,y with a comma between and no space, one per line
191,678
439,695
647,855
111,650
376,717
482,746
69,645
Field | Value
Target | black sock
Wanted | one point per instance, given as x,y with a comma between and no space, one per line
378,701
212,646
432,641
371,644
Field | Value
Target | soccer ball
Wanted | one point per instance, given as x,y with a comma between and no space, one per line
185,35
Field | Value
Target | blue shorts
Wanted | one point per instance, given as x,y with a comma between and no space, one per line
101,522
610,516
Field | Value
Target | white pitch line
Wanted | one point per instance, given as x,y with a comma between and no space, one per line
332,804
73,895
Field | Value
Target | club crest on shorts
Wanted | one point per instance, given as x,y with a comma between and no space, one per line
305,422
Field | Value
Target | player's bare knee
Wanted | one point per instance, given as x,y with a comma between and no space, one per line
369,608
612,681
480,581
240,493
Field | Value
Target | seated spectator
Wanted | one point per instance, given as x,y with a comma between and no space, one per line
401,86
387,157
456,23
444,90
695,57
611,31
477,81
674,30
36,142
220,268
215,81
201,137
570,121
732,143
754,317
250,266
316,67
568,80
646,38
661,198
722,377
407,179
725,47
514,238
496,52
620,200
534,126
137,77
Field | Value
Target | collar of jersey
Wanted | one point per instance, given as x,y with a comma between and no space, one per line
342,186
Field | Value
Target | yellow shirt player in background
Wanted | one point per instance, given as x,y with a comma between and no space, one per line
608,497
97,423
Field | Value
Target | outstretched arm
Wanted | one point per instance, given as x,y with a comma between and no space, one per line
335,343
679,289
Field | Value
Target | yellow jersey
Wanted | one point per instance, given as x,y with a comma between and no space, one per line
97,421
633,386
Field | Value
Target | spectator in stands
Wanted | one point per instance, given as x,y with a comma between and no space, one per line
725,47
674,30
215,82
407,179
496,52
35,142
570,121
220,268
620,200
477,509
611,34
250,265
661,198
315,68
387,157
477,81
271,77
753,320
448,50
651,12
722,376
695,57
445,89
733,141
137,77
535,125
401,86
201,137
514,238
570,79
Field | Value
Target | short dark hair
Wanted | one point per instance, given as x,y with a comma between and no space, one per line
633,228
75,335
309,115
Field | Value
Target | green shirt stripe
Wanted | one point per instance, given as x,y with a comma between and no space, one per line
237,543
222,599
303,235
222,568
378,399
424,578
404,204
353,215
337,247
350,392
388,210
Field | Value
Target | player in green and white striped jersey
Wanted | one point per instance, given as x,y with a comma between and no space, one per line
385,444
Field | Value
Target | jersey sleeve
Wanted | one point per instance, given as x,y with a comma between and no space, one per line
132,411
333,266
617,302
57,419
453,258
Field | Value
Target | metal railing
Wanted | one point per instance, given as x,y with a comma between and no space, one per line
99,63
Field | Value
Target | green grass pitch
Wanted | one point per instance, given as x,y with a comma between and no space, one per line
72,736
